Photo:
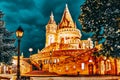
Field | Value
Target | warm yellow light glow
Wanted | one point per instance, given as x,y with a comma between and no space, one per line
108,60
105,58
74,67
30,49
58,60
19,32
67,68
68,53
14,62
90,60
59,70
89,39
55,60
82,66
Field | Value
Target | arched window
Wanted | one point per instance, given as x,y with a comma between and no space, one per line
51,39
108,65
58,60
55,61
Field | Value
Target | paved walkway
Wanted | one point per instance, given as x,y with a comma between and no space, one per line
40,75
77,78
6,76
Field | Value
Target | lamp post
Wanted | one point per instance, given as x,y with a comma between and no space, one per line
50,61
19,34
30,50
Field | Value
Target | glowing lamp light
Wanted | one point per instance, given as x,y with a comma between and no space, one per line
90,60
74,67
30,49
19,32
108,60
67,68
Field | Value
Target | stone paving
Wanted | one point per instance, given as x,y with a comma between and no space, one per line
53,76
6,76
78,78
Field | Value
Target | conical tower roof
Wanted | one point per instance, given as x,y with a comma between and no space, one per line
51,21
66,21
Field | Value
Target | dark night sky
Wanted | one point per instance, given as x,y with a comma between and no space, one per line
33,15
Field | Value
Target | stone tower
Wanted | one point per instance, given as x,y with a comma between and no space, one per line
65,35
51,28
67,31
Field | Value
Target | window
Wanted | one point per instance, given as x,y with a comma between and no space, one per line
51,39
102,66
108,65
45,61
58,60
55,61
82,66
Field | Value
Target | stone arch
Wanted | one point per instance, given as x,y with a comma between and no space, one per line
91,69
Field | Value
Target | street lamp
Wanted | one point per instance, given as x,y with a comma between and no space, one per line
19,34
30,50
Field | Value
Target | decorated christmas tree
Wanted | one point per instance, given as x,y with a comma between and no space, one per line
7,49
102,19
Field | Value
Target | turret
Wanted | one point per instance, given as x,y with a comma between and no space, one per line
66,21
51,28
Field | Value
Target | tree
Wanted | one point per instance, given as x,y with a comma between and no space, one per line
102,18
7,49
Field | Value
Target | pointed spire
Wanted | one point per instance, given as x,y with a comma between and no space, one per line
38,50
51,21
51,16
66,21
66,8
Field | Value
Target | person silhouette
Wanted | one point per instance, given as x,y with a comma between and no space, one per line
41,66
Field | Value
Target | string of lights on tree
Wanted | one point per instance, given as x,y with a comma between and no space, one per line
7,49
102,18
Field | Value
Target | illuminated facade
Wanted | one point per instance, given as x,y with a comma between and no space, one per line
66,53
65,33
23,64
